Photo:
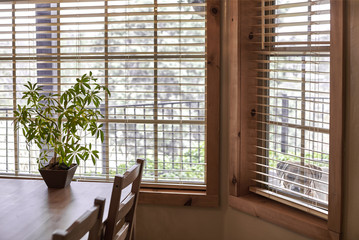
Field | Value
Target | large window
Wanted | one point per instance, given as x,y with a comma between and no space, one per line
288,113
152,55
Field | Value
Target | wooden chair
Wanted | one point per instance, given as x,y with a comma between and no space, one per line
90,221
120,221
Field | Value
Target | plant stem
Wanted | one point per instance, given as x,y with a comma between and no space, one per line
49,119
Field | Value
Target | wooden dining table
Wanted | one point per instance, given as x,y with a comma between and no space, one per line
31,211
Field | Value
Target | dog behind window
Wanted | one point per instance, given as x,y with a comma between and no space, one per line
295,177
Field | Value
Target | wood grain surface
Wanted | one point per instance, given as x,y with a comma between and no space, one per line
29,210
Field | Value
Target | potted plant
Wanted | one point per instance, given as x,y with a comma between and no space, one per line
56,123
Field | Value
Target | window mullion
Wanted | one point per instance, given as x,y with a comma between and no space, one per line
106,154
302,131
58,44
155,95
16,139
303,97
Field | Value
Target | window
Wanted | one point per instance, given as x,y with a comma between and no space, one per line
293,87
156,59
290,112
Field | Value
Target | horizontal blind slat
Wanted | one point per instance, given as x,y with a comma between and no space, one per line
291,202
299,195
295,4
292,182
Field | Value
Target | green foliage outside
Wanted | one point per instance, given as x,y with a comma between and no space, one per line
188,167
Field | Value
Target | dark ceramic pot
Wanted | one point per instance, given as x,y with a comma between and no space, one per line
58,178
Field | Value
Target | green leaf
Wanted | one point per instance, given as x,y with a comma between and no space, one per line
62,151
60,119
48,137
28,85
102,136
71,159
95,152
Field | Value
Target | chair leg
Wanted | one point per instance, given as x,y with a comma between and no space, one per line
134,228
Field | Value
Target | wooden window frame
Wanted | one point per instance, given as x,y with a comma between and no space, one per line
208,197
242,128
185,195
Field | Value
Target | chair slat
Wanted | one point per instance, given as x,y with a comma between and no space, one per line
125,206
81,226
87,222
130,176
122,233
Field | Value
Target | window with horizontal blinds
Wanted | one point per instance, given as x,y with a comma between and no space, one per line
293,103
152,55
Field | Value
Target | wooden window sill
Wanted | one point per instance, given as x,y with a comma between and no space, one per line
284,216
195,198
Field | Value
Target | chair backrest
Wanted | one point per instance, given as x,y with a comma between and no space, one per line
120,221
90,221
